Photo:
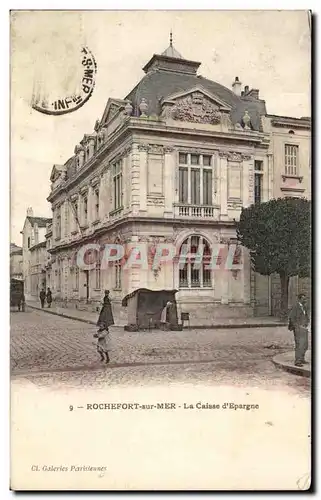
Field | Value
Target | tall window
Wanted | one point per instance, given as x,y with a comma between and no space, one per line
194,273
66,219
96,197
118,275
59,280
195,179
58,223
85,209
291,159
28,241
117,182
98,275
75,214
258,181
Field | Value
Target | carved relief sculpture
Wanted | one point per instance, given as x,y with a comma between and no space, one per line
195,108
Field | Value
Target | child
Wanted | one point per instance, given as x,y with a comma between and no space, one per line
102,343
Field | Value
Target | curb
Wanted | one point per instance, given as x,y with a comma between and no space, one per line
88,321
102,366
221,326
281,362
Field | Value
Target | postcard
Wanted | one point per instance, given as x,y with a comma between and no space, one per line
160,291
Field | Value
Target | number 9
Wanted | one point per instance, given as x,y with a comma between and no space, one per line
71,408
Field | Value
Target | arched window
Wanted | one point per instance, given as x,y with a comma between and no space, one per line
195,257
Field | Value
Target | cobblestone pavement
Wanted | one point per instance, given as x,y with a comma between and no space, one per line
63,351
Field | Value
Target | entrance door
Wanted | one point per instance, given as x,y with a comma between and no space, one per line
87,284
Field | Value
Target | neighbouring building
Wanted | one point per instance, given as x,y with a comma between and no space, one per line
34,253
289,157
174,161
16,264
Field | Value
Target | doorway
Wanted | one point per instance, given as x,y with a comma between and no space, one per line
87,285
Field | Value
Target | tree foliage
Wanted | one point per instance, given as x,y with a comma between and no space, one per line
278,235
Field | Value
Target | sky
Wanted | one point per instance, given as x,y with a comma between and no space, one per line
268,50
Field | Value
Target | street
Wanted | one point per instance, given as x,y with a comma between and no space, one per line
53,350
206,408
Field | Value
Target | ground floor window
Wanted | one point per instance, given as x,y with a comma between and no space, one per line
74,274
98,276
59,281
193,272
118,276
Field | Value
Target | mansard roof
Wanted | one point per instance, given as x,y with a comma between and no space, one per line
167,75
158,85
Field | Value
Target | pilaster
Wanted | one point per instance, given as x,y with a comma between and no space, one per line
250,167
223,185
169,181
143,174
135,179
225,287
270,176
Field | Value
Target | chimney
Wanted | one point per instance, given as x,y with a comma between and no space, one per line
254,93
246,89
236,86
29,212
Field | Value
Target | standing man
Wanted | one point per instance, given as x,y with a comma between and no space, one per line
298,323
42,297
49,297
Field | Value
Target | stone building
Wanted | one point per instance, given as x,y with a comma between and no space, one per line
16,267
34,253
174,161
290,157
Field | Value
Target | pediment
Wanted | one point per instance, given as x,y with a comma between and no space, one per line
196,95
113,107
195,105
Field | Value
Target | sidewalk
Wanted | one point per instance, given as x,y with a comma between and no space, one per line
91,318
286,362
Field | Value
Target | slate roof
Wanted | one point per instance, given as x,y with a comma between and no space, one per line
160,83
15,249
172,52
40,221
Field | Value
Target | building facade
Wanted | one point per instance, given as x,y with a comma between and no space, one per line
173,162
34,254
290,155
16,263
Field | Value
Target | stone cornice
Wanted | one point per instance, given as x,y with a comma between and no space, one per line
154,127
291,123
90,164
143,220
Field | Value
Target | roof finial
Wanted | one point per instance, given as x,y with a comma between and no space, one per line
171,38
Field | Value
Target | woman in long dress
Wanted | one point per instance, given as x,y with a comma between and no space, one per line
105,320
165,316
106,317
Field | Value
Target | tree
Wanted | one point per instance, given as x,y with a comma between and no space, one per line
278,235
